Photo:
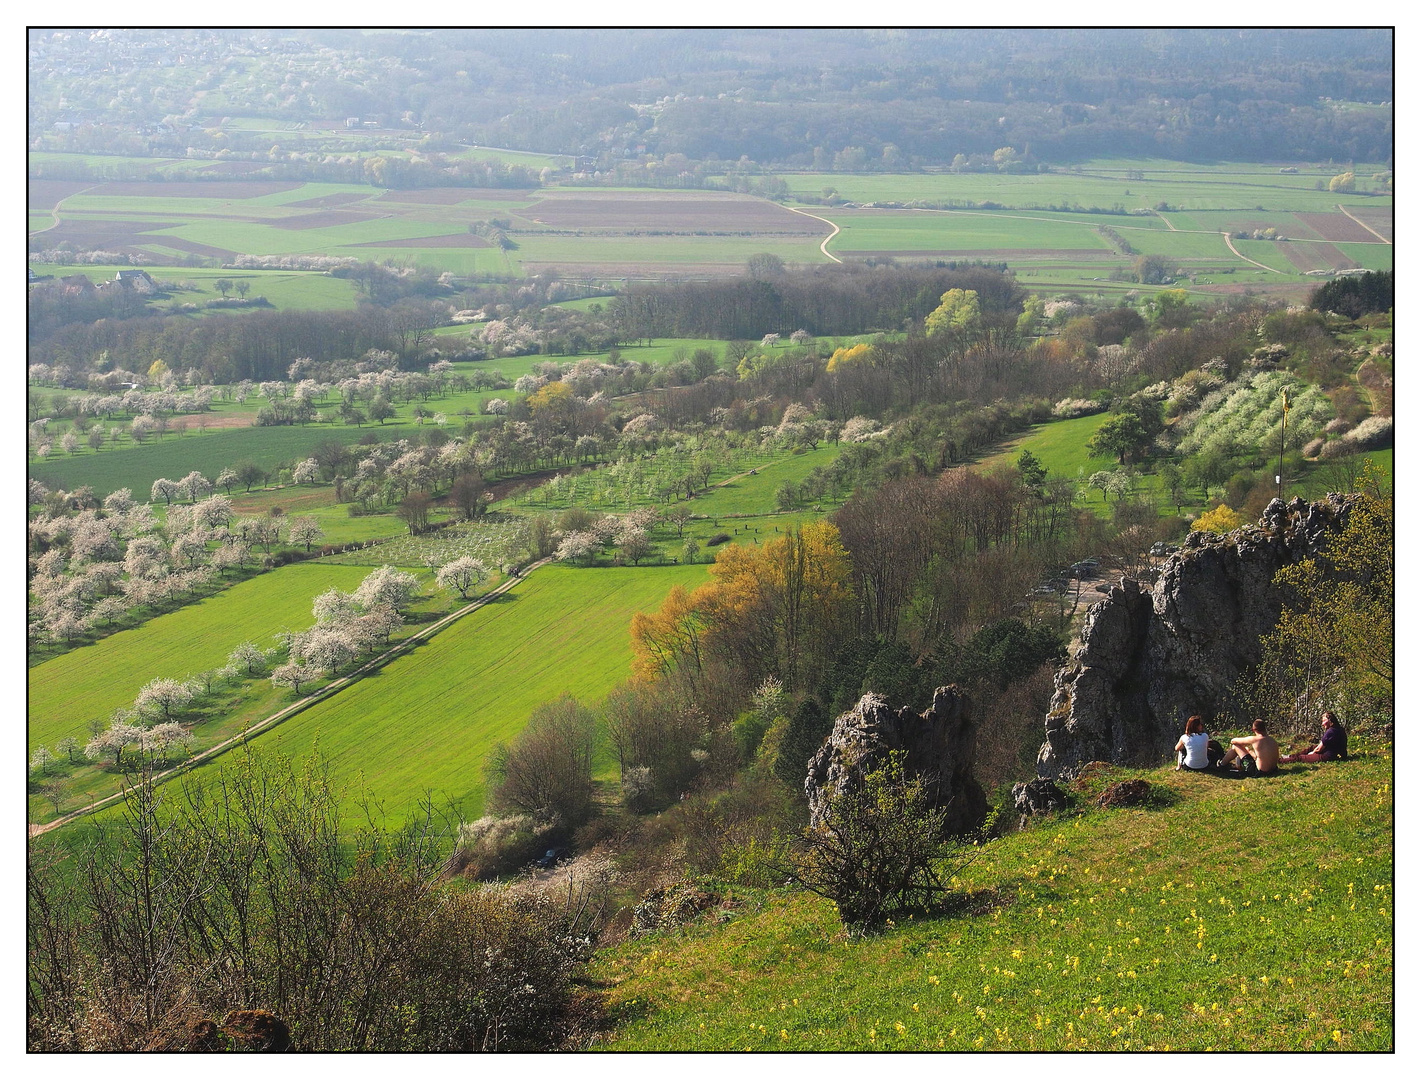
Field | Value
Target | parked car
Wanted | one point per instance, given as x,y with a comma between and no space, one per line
551,858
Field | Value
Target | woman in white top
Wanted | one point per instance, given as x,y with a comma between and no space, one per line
1193,746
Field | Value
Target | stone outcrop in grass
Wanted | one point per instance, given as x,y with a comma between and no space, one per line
940,745
1149,659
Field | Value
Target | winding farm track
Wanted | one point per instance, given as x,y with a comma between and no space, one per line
329,690
1229,240
54,210
824,247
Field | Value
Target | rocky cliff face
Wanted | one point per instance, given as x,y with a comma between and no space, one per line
940,745
1148,660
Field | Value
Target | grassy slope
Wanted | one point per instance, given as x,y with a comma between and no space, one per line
1237,915
427,721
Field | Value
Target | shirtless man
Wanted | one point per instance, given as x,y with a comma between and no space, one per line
1260,746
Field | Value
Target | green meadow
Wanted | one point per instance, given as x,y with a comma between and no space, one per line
90,682
957,231
426,721
1230,915
1061,447
137,466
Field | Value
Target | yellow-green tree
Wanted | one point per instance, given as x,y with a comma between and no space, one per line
851,355
1333,646
553,402
1221,519
959,315
669,639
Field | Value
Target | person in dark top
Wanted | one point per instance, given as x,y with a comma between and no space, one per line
1331,747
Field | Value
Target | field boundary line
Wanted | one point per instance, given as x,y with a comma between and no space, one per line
1362,223
824,247
329,690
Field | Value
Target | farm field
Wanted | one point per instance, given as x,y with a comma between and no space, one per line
427,721
1222,186
221,219
601,234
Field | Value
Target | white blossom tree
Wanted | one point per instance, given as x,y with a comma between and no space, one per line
195,486
249,657
577,545
386,585
161,697
304,530
165,489
293,674
114,740
463,574
306,472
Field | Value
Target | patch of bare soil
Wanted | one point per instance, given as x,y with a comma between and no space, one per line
47,194
217,423
192,246
650,270
1324,255
1338,228
1073,254
502,489
98,234
1378,217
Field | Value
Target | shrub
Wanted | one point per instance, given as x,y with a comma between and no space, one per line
1221,519
331,940
877,851
495,845
547,770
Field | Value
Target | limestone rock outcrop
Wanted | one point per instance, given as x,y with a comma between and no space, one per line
940,745
1150,659
1039,796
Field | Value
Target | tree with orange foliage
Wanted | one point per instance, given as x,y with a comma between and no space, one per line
779,609
669,639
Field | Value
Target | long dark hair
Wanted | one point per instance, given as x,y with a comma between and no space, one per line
1194,725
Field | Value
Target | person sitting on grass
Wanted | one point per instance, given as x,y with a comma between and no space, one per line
1256,753
1332,746
1197,752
